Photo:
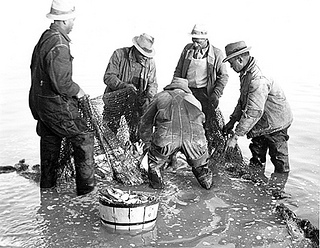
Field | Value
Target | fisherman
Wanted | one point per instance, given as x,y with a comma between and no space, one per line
177,119
201,63
132,70
53,100
262,112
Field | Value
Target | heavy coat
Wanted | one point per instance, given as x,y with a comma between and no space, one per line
52,94
176,121
262,107
119,73
217,72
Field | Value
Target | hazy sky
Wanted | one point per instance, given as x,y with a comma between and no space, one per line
283,34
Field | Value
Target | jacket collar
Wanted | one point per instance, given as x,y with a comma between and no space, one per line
178,83
251,63
54,26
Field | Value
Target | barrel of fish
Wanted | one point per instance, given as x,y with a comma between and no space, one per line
125,217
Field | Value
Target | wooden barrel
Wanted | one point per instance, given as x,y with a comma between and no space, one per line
124,217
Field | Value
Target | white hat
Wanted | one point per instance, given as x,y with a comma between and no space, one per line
62,10
199,31
144,44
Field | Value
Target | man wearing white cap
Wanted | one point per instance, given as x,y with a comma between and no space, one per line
53,100
201,64
132,71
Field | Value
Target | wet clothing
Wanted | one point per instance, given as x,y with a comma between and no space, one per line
278,150
124,69
217,76
178,121
264,115
53,103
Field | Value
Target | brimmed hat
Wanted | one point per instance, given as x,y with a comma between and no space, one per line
144,44
62,10
235,49
199,31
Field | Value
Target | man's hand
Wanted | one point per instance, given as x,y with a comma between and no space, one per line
214,101
80,93
131,86
228,127
231,143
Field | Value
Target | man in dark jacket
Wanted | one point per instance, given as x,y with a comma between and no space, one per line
177,119
53,100
263,112
132,71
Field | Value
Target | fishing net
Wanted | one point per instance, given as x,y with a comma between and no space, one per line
124,102
116,158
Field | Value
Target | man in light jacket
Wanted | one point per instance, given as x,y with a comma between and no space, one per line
174,122
201,64
263,112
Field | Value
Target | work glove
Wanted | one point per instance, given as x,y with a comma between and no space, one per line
131,86
228,127
231,143
214,101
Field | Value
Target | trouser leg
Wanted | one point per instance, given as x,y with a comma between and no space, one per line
278,151
197,157
84,162
157,158
49,156
258,148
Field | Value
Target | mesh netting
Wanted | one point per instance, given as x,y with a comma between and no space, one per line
124,102
115,156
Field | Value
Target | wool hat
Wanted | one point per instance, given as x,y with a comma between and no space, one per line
199,31
62,10
235,49
144,44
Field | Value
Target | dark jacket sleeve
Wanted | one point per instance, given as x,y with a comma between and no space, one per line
60,71
111,76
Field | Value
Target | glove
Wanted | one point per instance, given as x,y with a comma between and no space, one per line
228,127
231,143
214,101
131,86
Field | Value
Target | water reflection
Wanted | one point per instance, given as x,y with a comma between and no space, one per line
66,220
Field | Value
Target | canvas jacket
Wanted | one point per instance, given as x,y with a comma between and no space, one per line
262,107
217,72
52,93
118,73
176,115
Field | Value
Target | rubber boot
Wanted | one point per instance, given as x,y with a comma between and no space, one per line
155,178
49,156
276,185
204,176
84,163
